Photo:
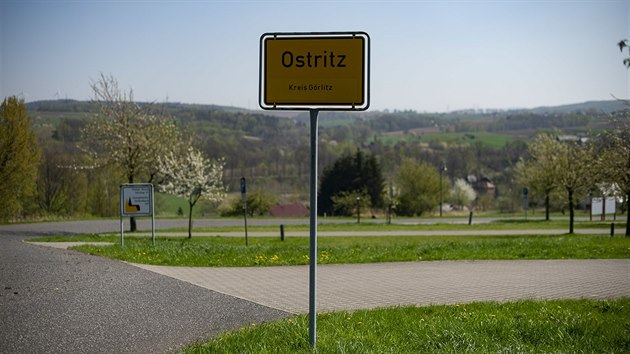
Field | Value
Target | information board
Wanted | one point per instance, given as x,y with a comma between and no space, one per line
600,206
136,199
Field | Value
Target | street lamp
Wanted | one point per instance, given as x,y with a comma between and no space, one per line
442,170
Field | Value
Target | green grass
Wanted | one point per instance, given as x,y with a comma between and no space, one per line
568,326
167,205
493,140
351,225
266,251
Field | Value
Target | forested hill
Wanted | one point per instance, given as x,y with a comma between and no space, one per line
268,124
68,105
272,147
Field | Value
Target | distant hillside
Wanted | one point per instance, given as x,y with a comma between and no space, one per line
605,107
69,105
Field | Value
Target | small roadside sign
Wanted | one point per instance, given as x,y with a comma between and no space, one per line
244,191
136,199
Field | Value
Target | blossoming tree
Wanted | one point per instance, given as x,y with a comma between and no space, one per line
463,193
127,134
192,176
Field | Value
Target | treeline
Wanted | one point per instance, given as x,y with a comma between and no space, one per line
273,152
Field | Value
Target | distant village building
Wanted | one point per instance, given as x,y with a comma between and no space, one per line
483,184
486,185
572,138
290,210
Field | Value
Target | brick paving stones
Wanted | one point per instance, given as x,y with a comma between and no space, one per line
359,286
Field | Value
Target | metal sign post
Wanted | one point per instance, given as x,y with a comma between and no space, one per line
312,303
314,71
244,195
525,201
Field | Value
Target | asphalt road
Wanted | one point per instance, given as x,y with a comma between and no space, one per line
144,224
59,301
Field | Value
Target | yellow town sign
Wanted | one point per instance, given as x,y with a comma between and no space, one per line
327,71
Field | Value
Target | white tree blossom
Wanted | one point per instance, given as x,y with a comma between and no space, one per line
462,193
190,175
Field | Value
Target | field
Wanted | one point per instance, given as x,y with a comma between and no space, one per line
493,140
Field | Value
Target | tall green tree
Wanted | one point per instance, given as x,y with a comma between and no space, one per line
418,188
351,173
52,182
127,134
19,158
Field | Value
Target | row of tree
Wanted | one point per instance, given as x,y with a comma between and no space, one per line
597,167
125,141
417,187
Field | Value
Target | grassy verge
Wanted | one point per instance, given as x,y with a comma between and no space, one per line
570,326
231,252
351,225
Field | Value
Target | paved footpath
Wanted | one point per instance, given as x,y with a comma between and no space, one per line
358,286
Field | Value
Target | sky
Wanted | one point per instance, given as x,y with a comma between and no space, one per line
427,56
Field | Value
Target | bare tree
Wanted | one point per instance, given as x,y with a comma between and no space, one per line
127,134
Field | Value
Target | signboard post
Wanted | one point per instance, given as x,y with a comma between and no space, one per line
525,200
136,199
244,195
314,71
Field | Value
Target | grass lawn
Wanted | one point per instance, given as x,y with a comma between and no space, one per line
568,326
351,225
266,251
493,140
